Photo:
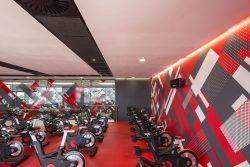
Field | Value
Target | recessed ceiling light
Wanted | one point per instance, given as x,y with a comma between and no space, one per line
142,60
93,60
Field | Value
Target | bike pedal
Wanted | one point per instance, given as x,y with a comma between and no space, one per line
134,138
93,152
104,130
137,147
100,140
138,153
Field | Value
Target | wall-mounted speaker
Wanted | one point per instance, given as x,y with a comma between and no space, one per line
177,83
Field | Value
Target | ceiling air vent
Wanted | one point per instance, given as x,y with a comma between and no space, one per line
47,7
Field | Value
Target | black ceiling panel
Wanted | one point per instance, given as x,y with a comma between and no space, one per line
23,69
63,19
84,45
74,26
49,7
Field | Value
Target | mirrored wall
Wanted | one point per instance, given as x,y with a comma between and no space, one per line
70,94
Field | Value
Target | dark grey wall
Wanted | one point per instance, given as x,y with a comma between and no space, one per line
134,93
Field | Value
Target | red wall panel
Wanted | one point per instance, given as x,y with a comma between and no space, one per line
212,111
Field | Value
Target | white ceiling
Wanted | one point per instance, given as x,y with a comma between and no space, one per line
4,71
160,31
26,43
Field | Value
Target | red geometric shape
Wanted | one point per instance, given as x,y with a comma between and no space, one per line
243,33
51,81
243,53
34,86
228,63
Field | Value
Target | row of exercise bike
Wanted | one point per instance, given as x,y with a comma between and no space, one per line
164,146
17,133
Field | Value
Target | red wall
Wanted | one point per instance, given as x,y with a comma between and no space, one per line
212,111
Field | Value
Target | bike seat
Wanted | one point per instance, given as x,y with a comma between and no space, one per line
34,128
72,134
66,128
164,152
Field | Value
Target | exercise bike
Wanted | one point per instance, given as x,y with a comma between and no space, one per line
10,151
162,141
40,135
100,120
83,141
95,129
21,127
170,157
54,124
58,158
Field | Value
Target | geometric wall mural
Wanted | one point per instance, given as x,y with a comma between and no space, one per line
212,111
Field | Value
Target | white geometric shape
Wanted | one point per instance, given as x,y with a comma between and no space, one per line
200,114
236,128
177,72
205,69
239,102
159,78
153,107
247,60
155,96
209,164
203,99
191,78
187,99
243,164
153,88
170,101
165,124
170,71
242,76
11,96
166,103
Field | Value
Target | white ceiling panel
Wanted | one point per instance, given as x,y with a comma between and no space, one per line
26,43
8,71
160,31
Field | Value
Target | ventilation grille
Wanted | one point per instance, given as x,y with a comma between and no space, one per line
47,7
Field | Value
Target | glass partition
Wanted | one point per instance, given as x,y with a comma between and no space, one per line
70,94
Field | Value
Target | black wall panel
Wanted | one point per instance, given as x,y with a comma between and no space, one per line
135,93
